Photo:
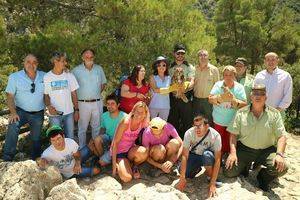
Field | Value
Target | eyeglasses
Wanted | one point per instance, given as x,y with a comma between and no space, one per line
161,65
32,90
197,119
180,53
259,93
199,126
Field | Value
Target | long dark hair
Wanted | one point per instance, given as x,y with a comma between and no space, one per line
155,65
134,75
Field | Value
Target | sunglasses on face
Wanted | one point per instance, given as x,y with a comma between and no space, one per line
32,90
180,53
161,65
258,93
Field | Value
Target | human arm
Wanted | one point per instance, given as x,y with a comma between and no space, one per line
77,166
75,104
13,117
279,158
214,176
128,94
153,85
182,179
232,158
287,94
50,108
117,138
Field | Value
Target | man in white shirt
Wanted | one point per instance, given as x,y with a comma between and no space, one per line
64,154
60,95
92,81
278,83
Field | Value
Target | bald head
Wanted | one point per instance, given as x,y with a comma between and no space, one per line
271,61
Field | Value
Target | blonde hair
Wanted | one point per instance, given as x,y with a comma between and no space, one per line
229,68
140,104
271,54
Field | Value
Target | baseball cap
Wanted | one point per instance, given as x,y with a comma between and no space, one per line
157,123
242,61
179,48
55,129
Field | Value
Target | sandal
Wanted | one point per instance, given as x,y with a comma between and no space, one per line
136,173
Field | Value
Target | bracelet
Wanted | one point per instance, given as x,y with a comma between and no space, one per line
280,154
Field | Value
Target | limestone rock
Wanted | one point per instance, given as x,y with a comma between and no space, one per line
24,180
68,190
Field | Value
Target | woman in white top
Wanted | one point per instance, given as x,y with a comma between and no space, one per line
160,103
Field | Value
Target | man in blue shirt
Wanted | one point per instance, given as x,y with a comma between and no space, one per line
24,91
92,81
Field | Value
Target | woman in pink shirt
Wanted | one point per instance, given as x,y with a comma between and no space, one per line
124,150
134,89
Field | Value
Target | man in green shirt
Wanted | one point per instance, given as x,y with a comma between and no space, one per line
257,134
242,77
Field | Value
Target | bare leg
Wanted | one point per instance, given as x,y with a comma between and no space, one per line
158,153
98,145
124,169
172,148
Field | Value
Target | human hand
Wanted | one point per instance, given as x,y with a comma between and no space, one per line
232,159
13,117
51,110
279,162
181,184
76,116
140,96
77,168
227,96
42,163
212,190
166,166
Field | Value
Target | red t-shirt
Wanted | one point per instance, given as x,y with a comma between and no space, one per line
126,104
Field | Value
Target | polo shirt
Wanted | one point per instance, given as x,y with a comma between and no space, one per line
19,84
89,81
247,82
257,133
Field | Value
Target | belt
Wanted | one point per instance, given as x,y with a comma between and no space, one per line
33,112
91,100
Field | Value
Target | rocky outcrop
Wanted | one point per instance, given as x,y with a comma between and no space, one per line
24,180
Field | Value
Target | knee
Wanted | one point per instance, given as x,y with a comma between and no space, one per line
209,158
141,154
173,146
13,128
96,171
158,152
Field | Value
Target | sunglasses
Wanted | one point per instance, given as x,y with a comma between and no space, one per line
180,53
258,93
161,65
32,90
154,127
197,119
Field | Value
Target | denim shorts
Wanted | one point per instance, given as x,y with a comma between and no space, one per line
195,162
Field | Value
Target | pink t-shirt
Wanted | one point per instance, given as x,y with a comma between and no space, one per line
149,139
128,139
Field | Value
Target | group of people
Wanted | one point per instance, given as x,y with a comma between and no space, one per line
237,120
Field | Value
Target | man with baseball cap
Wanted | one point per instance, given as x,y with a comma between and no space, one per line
163,143
257,134
242,77
181,112
64,154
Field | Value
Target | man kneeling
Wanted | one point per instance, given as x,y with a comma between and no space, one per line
201,147
163,144
64,154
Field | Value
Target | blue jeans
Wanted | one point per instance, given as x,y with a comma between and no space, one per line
66,122
106,157
195,162
85,153
35,121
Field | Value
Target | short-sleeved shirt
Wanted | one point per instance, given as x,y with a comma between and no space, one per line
257,133
247,82
168,133
160,101
126,104
19,84
188,70
90,81
205,80
211,142
110,124
223,113
59,88
64,159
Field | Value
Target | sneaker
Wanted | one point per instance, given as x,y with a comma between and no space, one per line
218,182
